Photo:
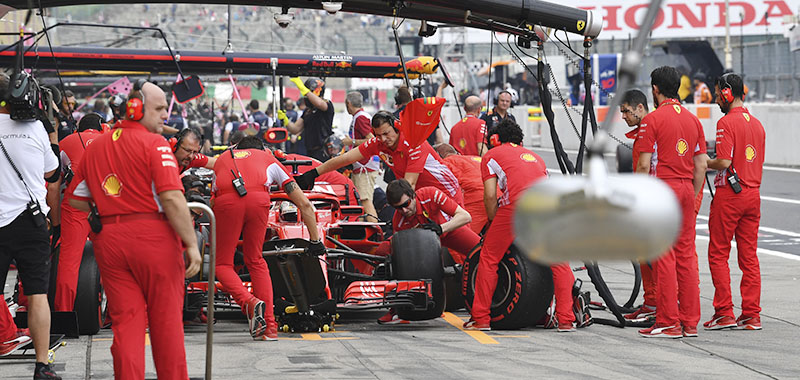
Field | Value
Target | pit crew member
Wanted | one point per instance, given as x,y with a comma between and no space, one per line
317,121
514,169
74,222
469,134
431,209
245,213
467,170
673,149
736,209
420,166
186,148
144,219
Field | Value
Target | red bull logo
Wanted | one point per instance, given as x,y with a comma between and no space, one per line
344,65
421,65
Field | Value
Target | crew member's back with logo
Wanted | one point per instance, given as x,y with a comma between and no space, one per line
741,138
682,136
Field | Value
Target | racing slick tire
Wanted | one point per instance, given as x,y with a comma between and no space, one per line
624,159
89,295
416,255
524,289
454,300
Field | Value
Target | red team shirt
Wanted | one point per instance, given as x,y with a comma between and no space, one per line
680,136
422,159
200,160
466,135
72,149
258,168
432,204
129,168
515,167
329,178
740,138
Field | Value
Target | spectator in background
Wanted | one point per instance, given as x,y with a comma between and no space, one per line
686,84
291,113
176,120
231,126
257,115
100,108
702,95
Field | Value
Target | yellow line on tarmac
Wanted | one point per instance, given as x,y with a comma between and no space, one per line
312,336
480,336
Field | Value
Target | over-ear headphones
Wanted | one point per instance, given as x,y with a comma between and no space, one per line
390,118
134,109
175,142
497,96
725,91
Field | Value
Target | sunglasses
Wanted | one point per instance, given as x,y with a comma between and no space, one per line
404,204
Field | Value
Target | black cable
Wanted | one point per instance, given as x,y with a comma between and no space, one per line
567,45
489,86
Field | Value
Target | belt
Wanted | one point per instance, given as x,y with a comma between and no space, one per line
132,217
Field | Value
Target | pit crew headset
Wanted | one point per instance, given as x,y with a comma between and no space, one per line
175,142
725,89
389,117
134,109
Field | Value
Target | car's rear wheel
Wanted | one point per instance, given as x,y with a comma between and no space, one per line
523,293
415,256
89,297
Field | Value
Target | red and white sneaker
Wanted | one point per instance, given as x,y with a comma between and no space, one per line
270,334
690,332
751,323
254,310
475,325
7,348
391,318
566,327
658,331
641,314
720,322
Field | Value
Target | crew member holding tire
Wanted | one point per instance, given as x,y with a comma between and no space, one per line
421,166
674,150
514,169
242,203
74,222
429,208
131,176
736,209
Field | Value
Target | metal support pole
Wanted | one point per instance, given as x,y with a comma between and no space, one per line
212,262
728,56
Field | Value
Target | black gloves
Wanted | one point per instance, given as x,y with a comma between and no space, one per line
315,248
55,235
306,180
433,226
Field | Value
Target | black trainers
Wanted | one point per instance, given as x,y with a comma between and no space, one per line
44,372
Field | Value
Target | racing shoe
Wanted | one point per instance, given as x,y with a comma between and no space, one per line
254,309
270,334
658,331
719,323
7,348
751,323
641,314
566,328
690,332
44,372
475,325
391,318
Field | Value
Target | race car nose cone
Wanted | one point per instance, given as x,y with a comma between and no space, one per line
625,217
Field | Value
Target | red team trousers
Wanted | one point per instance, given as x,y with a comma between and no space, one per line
237,217
498,238
678,280
74,231
737,214
143,270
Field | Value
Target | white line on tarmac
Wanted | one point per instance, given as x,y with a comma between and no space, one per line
768,198
761,250
612,154
762,228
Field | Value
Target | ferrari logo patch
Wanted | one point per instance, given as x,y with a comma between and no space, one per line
746,117
581,25
749,153
682,146
111,185
116,134
677,108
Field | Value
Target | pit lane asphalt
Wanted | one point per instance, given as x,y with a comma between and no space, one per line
360,348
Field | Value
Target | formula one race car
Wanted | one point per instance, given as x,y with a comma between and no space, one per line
351,275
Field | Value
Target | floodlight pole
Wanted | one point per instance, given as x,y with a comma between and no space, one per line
728,55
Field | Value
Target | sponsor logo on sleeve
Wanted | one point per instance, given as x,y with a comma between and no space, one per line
527,157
